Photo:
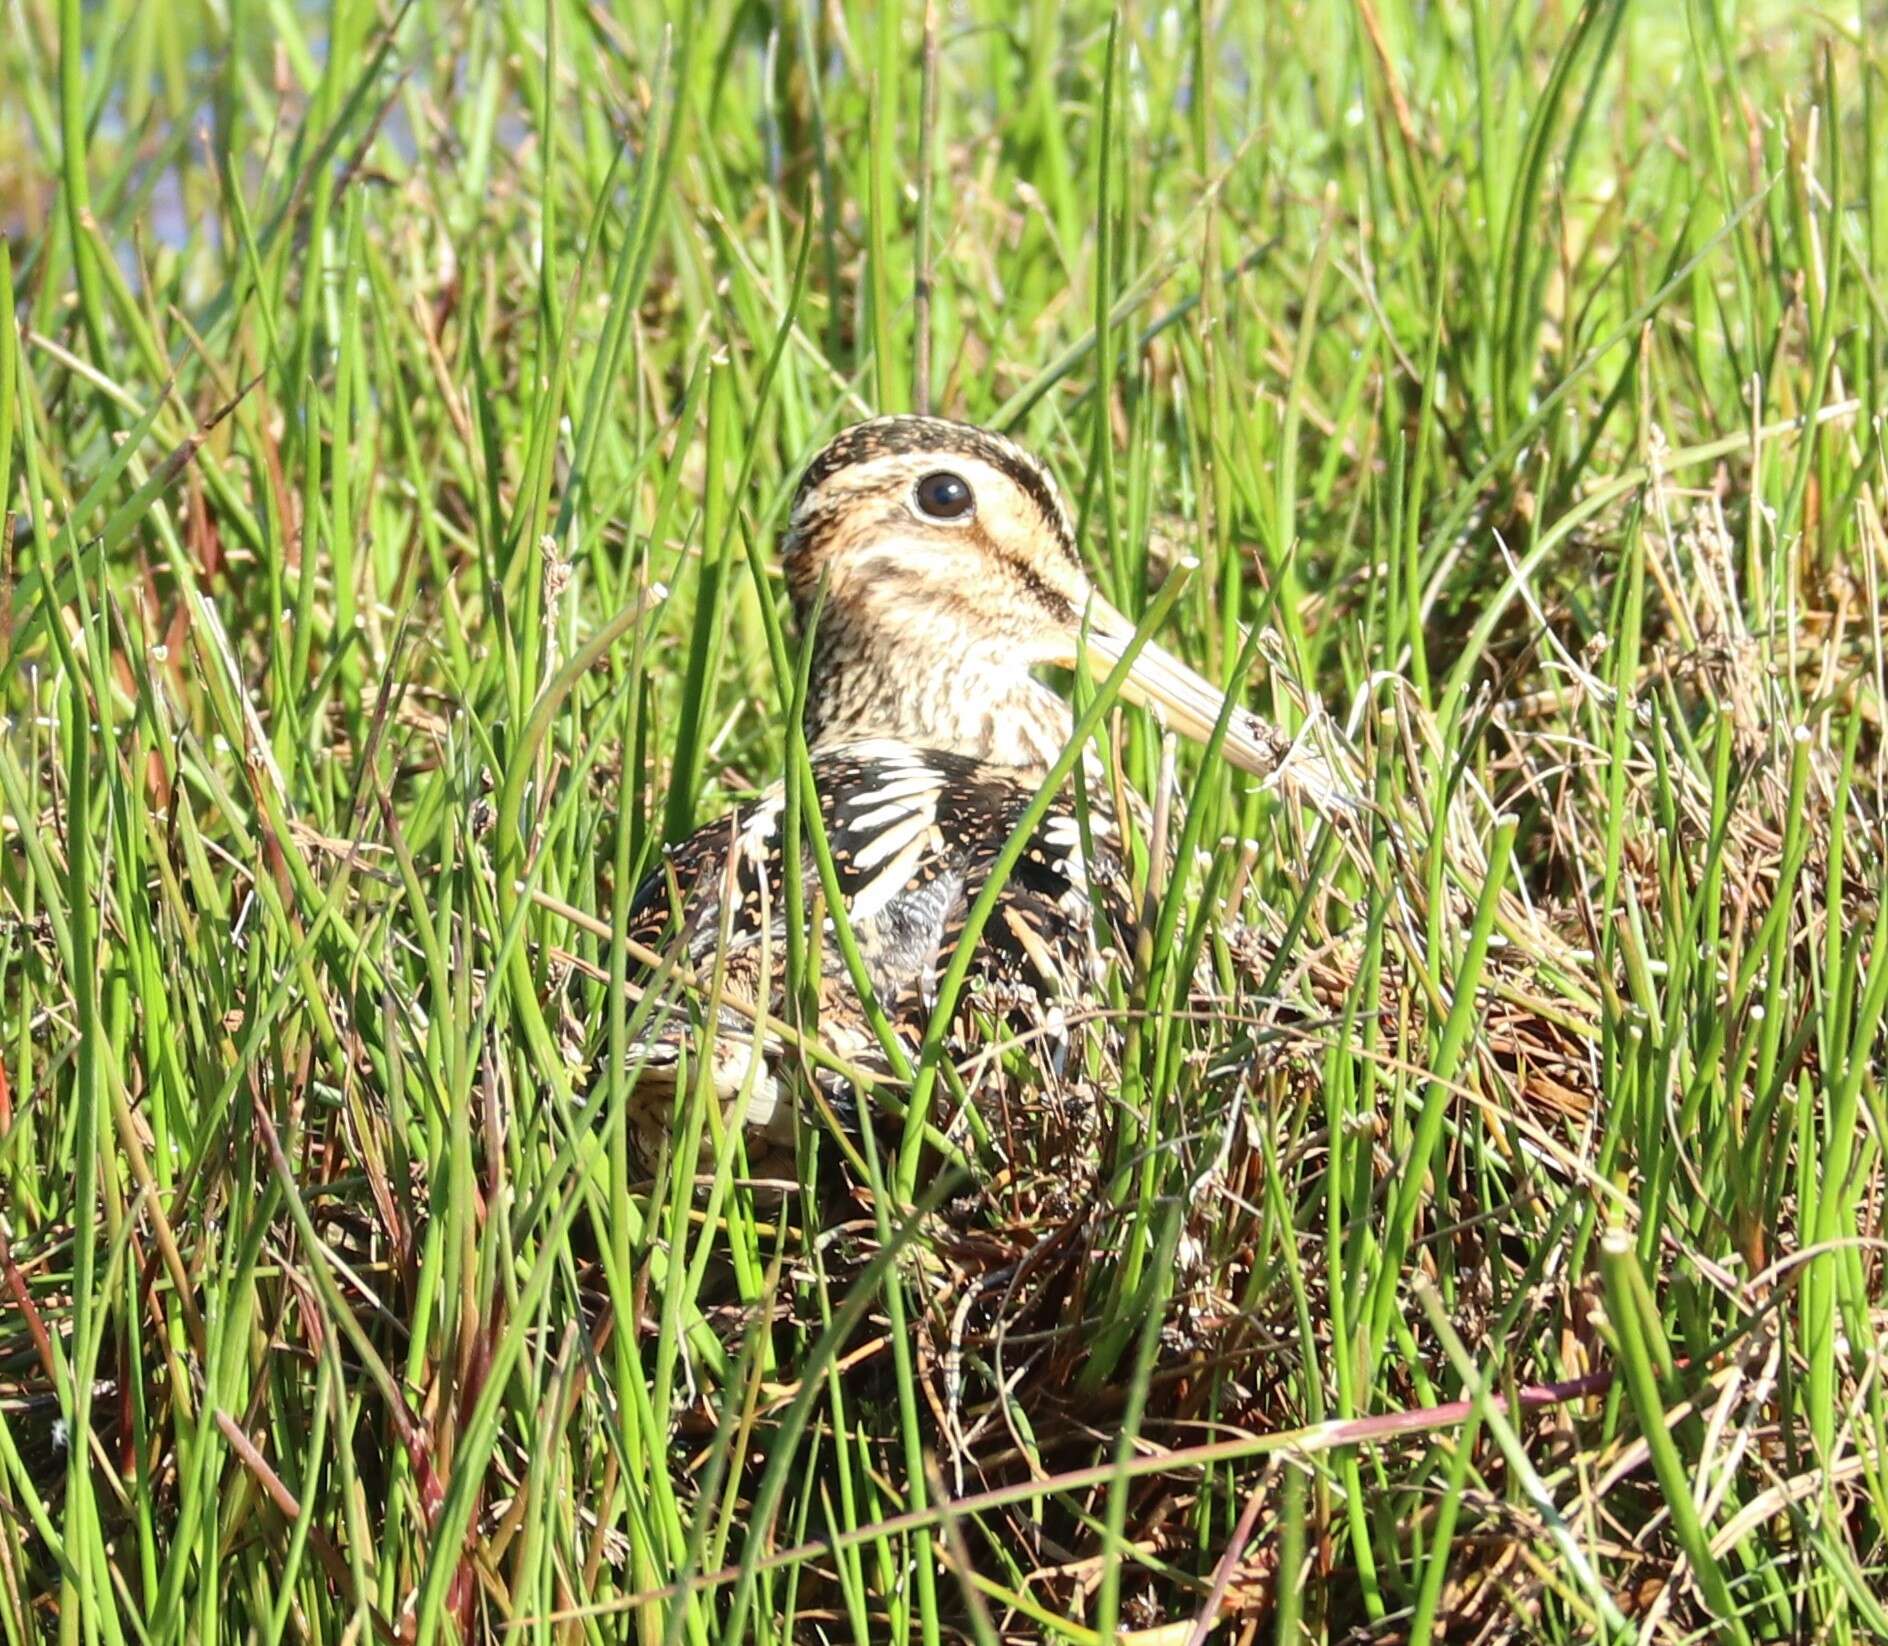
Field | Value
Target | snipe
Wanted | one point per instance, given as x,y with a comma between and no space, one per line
949,571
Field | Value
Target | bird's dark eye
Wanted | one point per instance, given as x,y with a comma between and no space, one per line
944,496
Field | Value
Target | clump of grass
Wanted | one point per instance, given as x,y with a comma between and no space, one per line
1469,1222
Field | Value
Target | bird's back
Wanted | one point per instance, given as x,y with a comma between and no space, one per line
914,834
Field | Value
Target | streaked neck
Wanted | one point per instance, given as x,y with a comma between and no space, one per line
971,705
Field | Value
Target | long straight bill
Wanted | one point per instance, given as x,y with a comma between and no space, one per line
1188,702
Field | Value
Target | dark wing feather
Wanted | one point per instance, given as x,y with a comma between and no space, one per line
914,834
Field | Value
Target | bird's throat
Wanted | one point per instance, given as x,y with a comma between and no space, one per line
972,705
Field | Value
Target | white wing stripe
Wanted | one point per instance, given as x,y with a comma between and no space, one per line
910,826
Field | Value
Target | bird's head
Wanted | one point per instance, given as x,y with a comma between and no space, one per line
950,574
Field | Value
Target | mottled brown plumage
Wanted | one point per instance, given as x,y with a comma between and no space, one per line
944,569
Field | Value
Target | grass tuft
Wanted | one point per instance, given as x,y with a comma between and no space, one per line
1461,1218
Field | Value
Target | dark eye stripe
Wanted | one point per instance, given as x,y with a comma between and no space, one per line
1031,580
